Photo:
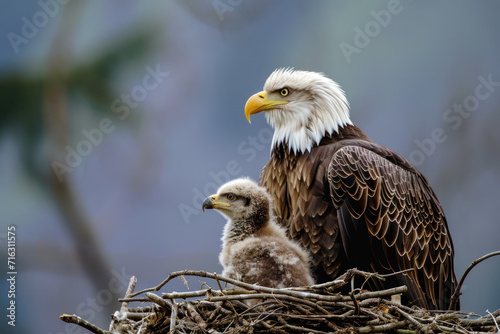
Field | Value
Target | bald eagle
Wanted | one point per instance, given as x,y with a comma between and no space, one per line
351,202
255,249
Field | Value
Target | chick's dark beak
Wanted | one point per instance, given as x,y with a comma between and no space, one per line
208,203
211,203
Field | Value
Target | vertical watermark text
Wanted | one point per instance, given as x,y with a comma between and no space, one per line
11,275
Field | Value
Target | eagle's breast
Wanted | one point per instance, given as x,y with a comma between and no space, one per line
301,195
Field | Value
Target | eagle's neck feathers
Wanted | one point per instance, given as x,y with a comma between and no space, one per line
235,231
348,132
320,109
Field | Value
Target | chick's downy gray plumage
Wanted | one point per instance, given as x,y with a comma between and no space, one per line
255,249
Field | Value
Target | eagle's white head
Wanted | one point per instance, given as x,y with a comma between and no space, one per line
302,107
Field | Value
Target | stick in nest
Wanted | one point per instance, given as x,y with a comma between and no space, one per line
456,294
314,309
74,319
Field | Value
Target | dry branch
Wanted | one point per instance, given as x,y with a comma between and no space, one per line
456,294
74,319
255,309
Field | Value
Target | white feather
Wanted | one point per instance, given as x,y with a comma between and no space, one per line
317,107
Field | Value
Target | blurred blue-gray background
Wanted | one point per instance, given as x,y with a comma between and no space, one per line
118,117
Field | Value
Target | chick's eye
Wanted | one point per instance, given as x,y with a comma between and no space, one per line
284,91
230,197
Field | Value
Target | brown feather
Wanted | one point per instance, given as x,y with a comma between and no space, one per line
391,219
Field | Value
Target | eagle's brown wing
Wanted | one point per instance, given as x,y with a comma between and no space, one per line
390,220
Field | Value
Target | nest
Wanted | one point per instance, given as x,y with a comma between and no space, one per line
246,308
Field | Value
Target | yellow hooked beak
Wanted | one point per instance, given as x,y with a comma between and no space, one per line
259,102
210,203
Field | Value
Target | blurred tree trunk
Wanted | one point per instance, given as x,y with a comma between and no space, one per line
56,121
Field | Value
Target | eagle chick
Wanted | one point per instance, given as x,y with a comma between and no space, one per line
255,249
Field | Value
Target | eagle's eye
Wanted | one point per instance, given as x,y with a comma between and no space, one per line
231,196
284,91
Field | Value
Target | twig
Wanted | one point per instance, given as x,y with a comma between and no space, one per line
137,316
381,293
346,277
171,276
304,330
74,319
196,316
299,329
456,294
215,313
128,300
381,328
355,302
146,309
332,284
484,321
408,317
377,301
161,302
395,273
184,295
185,282
270,296
218,283
494,320
130,290
173,317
